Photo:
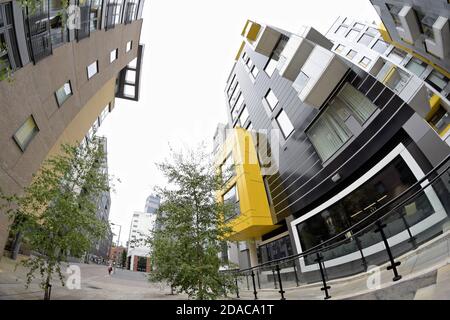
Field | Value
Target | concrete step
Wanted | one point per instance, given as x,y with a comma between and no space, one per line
426,293
442,291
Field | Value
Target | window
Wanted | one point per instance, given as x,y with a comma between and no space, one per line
231,197
352,34
437,80
396,55
339,48
285,124
249,126
9,55
341,30
244,115
248,63
239,102
254,71
129,46
351,54
301,81
365,62
244,56
231,87
271,99
358,26
275,56
63,93
426,22
92,69
372,31
95,14
227,168
26,133
358,204
329,132
113,55
365,39
416,66
276,249
103,114
440,120
380,46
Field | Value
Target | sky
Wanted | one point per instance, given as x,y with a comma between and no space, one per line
189,51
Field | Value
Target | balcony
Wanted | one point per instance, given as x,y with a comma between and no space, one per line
262,38
319,75
253,217
409,29
439,45
297,51
38,35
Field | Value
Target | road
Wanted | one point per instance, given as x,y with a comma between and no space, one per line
95,284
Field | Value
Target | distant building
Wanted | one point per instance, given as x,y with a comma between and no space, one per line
115,254
152,204
138,253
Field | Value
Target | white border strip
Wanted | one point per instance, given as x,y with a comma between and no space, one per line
438,215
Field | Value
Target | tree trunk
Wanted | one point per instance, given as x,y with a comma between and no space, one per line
16,245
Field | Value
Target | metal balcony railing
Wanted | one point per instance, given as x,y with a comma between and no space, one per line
38,33
85,23
381,224
130,14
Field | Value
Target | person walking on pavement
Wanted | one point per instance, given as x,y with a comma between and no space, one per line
110,268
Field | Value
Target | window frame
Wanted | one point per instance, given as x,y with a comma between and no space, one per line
282,111
60,104
97,70
267,101
36,130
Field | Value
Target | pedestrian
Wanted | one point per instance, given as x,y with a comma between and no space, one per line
110,268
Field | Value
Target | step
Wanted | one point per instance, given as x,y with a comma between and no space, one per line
425,293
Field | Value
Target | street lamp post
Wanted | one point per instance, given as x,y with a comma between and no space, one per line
118,242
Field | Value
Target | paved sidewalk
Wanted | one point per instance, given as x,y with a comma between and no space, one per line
418,268
96,284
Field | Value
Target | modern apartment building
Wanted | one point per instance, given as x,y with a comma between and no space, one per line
138,252
322,131
60,81
152,204
419,27
101,249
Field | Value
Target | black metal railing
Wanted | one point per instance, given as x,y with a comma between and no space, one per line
84,30
38,33
381,224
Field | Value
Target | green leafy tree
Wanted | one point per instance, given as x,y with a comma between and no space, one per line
186,241
56,214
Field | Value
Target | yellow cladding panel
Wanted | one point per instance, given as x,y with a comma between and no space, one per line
251,30
255,218
384,33
435,103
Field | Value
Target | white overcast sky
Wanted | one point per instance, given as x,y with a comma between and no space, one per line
189,52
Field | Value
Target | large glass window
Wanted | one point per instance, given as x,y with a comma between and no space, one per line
276,249
95,14
9,56
275,56
426,21
352,34
244,115
365,39
271,99
329,132
380,46
397,55
416,66
387,184
437,80
231,198
227,168
440,120
63,93
26,133
285,124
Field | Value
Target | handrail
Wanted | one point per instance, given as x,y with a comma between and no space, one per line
320,247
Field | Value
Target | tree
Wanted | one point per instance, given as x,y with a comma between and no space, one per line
56,214
186,243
